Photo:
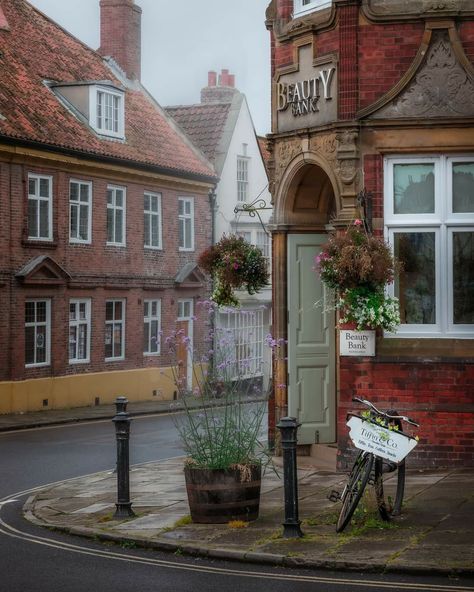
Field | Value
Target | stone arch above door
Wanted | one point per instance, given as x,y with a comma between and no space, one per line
308,193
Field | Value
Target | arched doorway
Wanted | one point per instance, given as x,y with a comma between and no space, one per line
309,206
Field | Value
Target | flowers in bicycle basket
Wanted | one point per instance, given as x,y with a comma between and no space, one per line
357,266
234,264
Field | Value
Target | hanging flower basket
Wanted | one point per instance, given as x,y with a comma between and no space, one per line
357,266
234,264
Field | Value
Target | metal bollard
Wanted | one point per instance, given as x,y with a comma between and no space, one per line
121,405
288,427
122,433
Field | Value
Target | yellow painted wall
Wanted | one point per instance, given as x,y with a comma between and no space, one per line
81,390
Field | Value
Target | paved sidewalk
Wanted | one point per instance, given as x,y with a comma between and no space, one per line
435,533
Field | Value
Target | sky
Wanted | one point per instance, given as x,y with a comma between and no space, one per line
182,41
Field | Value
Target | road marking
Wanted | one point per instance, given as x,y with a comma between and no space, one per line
8,501
12,532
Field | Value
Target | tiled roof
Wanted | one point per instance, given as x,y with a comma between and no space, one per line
35,50
204,124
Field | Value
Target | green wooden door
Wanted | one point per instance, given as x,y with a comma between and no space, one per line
311,344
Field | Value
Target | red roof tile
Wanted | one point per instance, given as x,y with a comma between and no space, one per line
204,124
35,50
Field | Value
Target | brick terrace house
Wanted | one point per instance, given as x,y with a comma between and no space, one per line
375,99
103,208
221,126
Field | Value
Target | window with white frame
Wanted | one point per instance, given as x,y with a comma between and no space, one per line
116,215
107,111
40,207
37,333
115,330
186,223
152,220
241,344
80,211
151,327
301,7
242,178
79,330
429,221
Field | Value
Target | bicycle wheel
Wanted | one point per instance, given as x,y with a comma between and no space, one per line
386,511
358,479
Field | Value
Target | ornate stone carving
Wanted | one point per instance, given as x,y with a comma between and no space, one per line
287,151
441,88
385,10
326,145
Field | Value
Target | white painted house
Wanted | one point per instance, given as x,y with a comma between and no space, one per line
221,126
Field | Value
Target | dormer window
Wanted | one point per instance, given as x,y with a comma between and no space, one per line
107,111
101,104
302,7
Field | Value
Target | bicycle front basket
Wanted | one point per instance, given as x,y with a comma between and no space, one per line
388,444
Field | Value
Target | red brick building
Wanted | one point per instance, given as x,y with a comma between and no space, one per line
103,208
373,103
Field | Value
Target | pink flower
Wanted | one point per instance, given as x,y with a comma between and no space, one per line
236,266
357,222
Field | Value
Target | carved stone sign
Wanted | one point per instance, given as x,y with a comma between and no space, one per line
308,96
441,87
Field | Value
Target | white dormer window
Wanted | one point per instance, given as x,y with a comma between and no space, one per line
107,113
302,7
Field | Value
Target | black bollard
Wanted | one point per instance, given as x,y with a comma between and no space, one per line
121,405
122,433
288,427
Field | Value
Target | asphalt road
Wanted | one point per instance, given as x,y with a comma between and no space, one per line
37,560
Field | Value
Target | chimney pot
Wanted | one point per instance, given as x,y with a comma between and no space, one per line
212,78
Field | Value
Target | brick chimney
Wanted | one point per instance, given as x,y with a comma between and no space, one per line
120,35
219,92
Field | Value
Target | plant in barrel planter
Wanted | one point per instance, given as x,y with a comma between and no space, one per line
220,428
234,264
357,266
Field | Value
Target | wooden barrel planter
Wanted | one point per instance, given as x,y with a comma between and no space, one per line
217,496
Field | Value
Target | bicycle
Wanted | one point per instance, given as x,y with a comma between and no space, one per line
383,447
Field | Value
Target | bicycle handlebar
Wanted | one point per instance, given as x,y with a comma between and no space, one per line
372,406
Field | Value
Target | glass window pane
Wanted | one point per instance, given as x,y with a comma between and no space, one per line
72,311
118,311
84,222
44,187
108,341
82,344
44,219
73,191
154,231
32,218
41,344
85,192
32,182
147,229
110,225
416,284
74,221
463,277
29,312
146,337
147,201
463,187
181,207
414,189
72,343
41,312
109,311
119,198
181,233
117,340
118,226
188,237
29,345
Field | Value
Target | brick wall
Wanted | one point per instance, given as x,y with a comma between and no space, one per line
98,264
385,54
439,396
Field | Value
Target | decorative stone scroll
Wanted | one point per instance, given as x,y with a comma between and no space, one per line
398,9
440,88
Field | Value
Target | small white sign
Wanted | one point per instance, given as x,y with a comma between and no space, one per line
380,441
356,343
